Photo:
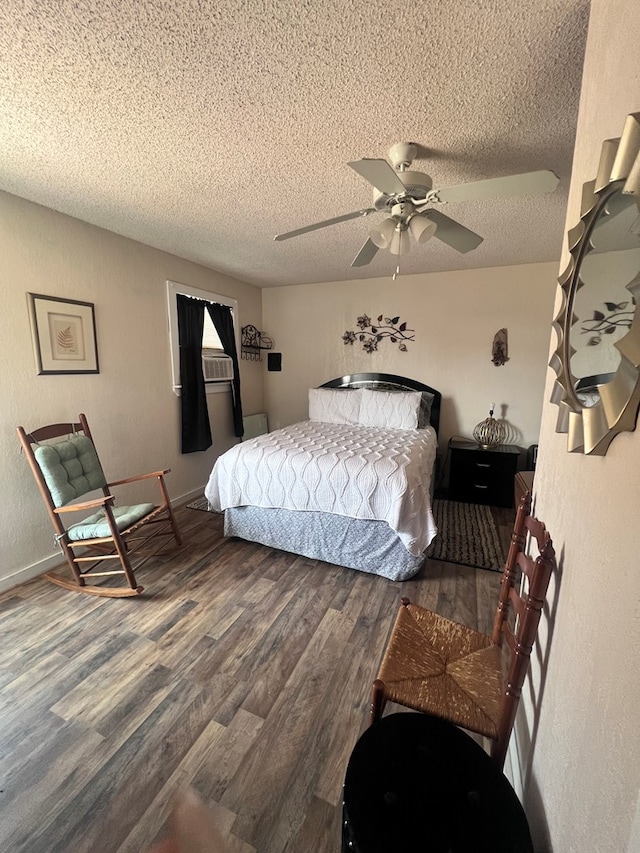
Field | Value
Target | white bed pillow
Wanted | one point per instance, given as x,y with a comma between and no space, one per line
335,405
390,409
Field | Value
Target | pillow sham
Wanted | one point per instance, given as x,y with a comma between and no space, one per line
424,413
335,405
390,409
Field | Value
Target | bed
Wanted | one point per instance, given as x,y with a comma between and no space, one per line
352,485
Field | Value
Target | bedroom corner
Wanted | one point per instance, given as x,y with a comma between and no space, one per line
46,252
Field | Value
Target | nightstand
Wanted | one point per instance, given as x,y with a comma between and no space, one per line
523,483
482,476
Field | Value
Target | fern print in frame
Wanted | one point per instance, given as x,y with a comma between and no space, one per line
64,335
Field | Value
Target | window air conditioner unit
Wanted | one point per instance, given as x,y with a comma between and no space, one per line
217,368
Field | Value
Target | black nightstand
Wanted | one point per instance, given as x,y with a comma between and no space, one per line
482,476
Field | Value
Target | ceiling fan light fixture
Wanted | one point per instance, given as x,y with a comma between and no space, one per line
422,228
400,242
408,199
382,234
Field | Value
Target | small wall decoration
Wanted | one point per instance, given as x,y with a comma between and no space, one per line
64,335
253,342
371,334
618,316
499,350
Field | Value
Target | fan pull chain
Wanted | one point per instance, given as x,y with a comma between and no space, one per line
396,273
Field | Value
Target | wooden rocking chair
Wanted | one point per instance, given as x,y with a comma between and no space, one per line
440,667
68,469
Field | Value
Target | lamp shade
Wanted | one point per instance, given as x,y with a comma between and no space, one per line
400,242
422,228
489,432
382,234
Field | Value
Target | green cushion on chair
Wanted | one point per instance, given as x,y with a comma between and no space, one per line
96,526
70,468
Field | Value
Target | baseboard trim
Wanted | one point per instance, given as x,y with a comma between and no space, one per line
28,573
193,495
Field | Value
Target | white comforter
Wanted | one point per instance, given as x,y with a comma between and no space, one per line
361,472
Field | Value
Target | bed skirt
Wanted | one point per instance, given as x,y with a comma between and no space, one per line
369,546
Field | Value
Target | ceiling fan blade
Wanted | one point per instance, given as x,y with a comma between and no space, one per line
380,174
453,234
366,254
325,223
529,183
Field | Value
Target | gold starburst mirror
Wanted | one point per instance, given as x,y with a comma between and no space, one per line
597,359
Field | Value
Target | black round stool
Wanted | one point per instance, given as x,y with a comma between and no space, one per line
418,783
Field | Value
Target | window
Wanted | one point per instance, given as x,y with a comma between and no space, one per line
217,366
210,341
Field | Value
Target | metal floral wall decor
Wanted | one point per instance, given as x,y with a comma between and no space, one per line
370,334
617,316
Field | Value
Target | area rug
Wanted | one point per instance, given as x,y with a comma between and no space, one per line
202,503
467,534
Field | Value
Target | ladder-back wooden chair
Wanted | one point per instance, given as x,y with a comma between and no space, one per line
440,667
100,546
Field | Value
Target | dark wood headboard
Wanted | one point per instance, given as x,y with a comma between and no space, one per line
390,382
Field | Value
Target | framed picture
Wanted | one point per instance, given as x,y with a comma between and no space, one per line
64,335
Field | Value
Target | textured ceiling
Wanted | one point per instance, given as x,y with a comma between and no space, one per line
205,127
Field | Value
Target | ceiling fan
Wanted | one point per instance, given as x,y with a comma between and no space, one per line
408,198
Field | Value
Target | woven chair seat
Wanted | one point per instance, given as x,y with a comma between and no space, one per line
440,667
434,664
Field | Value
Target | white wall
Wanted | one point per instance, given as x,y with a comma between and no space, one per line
583,774
130,404
455,316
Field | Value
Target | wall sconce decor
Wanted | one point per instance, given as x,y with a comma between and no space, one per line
499,349
371,334
253,342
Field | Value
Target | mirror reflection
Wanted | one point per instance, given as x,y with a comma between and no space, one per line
597,359
602,305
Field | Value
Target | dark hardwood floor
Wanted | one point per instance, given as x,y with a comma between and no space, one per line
241,670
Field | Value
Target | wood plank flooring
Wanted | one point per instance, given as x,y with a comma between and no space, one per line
242,670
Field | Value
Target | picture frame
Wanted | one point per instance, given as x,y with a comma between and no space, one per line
64,335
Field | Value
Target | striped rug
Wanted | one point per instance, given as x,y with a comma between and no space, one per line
202,504
467,534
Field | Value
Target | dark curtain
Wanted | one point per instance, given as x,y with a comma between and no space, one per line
196,431
223,321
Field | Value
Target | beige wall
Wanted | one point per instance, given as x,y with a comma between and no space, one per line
130,404
583,775
455,316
